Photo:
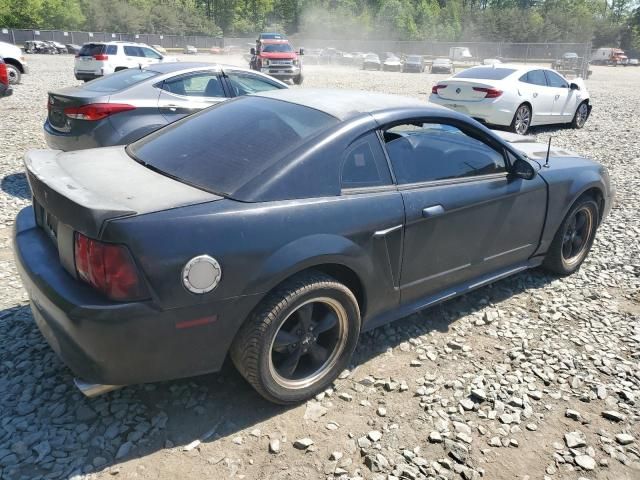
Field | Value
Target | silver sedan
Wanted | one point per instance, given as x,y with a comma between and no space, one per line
122,107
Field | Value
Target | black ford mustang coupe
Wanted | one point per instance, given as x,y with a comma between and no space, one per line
277,227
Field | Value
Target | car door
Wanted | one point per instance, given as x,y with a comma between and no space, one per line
534,83
465,216
185,94
134,56
243,83
564,104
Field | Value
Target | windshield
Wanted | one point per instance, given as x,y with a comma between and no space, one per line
277,47
414,58
441,60
372,57
119,80
224,147
485,73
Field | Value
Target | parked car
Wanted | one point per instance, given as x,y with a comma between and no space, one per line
272,36
441,65
37,46
392,64
299,237
413,63
190,50
633,62
371,62
215,50
97,59
127,105
515,97
5,86
159,49
15,61
57,47
460,53
73,48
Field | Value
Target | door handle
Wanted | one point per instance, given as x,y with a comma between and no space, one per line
171,108
535,94
432,211
557,97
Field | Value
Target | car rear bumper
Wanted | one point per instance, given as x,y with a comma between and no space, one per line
116,343
100,134
86,76
490,111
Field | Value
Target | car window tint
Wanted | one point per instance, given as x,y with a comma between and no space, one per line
205,84
119,80
149,53
246,83
112,49
555,80
430,151
364,165
222,148
91,49
485,73
132,51
534,77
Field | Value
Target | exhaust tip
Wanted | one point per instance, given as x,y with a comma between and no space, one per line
93,389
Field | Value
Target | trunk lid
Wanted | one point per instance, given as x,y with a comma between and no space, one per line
85,189
70,97
463,90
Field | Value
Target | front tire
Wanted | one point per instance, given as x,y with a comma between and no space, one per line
14,74
521,120
581,115
574,238
299,338
298,79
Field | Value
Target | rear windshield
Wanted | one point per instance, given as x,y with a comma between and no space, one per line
414,58
120,80
91,49
224,147
488,73
277,47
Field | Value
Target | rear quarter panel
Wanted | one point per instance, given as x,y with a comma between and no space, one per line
259,245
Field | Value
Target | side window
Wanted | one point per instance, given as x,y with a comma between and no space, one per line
364,164
131,51
112,49
147,52
534,77
425,152
556,80
204,84
246,83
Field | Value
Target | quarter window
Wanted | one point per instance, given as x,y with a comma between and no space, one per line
112,49
425,152
555,80
205,84
364,165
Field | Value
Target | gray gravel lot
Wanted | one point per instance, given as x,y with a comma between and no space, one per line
533,377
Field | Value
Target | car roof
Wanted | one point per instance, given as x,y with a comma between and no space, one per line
170,67
345,104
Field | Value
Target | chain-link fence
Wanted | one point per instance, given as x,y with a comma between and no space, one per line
566,57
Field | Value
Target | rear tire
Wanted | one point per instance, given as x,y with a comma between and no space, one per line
14,74
298,80
298,339
574,238
521,120
581,116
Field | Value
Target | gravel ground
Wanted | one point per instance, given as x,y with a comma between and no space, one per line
534,377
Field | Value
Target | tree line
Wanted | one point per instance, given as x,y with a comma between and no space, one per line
605,22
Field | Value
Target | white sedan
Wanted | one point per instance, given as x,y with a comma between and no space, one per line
515,97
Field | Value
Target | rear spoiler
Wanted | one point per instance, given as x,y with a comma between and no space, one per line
62,196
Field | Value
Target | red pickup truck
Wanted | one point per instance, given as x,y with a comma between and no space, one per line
276,57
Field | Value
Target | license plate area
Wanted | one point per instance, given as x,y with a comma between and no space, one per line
46,221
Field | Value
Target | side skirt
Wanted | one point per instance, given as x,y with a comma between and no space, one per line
452,292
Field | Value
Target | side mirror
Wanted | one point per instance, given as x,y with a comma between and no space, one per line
574,86
252,51
301,51
523,169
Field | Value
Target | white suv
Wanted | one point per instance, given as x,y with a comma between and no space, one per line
102,58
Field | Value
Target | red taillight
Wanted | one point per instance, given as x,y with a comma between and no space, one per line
96,111
101,56
4,76
435,88
489,92
109,268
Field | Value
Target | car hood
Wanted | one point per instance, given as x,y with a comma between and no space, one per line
10,51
